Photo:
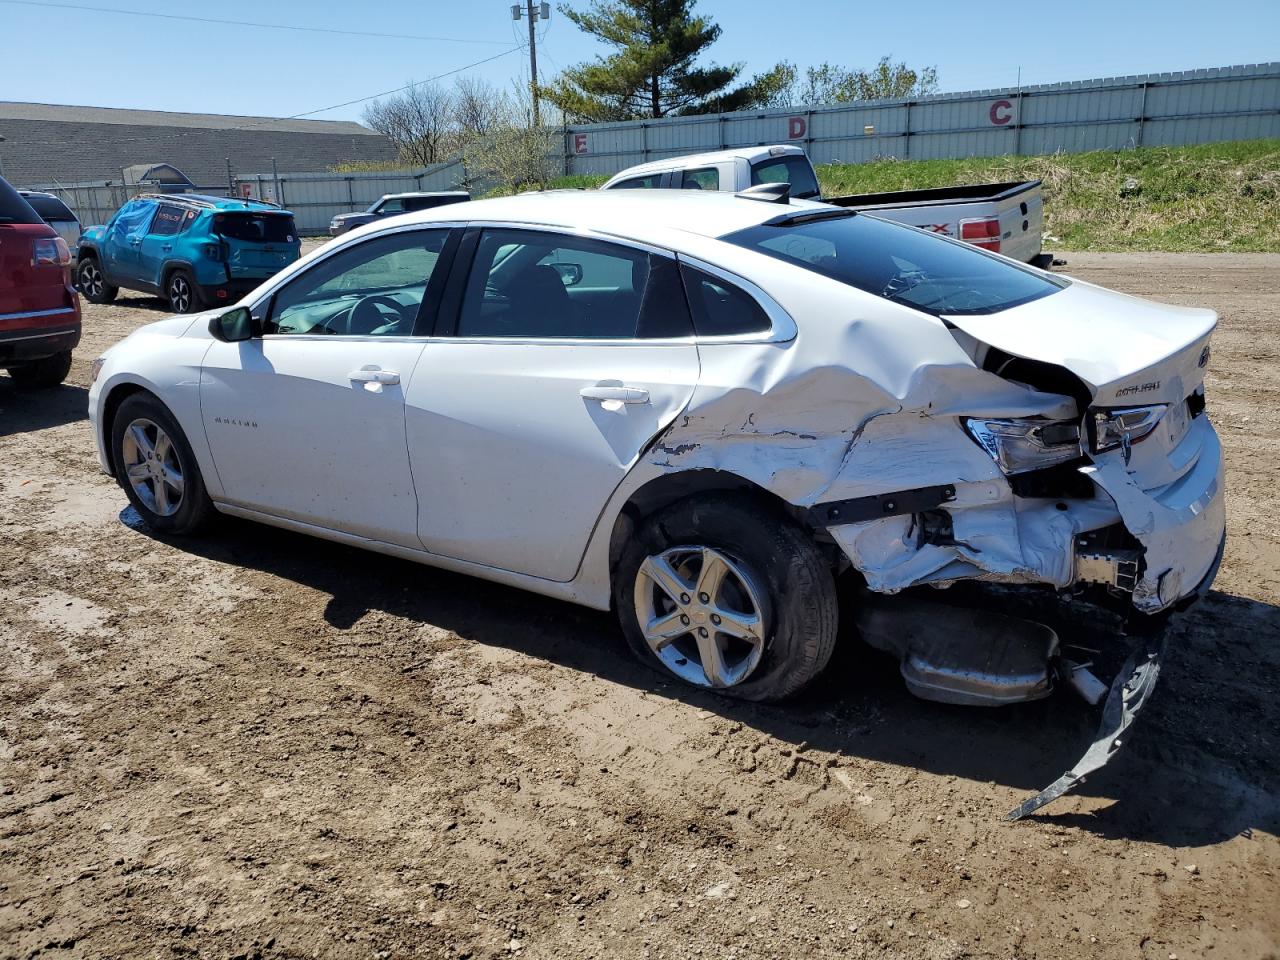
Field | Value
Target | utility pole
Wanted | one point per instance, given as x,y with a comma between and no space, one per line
533,11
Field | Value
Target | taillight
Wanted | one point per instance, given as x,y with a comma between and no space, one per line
213,251
983,233
50,253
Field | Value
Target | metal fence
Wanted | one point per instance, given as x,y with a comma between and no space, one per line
1198,106
314,198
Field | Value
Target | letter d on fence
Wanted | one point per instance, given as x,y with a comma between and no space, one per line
579,143
796,128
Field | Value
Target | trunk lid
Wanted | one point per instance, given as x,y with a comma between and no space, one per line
1130,352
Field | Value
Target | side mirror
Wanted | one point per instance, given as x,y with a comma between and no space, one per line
233,326
570,273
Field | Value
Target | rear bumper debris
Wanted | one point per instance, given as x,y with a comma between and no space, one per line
1129,693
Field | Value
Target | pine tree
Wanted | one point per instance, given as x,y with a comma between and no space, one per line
653,72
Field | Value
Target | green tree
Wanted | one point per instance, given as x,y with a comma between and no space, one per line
831,83
653,71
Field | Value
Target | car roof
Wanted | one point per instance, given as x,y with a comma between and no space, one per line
38,193
750,154
643,215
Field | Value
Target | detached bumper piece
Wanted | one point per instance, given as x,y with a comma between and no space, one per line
1129,694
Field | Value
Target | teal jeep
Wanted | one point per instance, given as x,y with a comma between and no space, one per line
195,251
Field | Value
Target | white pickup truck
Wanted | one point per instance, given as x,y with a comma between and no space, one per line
1004,217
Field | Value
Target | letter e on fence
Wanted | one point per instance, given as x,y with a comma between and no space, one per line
797,127
1001,112
579,143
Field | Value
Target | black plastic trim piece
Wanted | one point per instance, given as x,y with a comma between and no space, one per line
861,509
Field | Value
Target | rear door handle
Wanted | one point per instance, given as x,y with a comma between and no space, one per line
374,376
618,394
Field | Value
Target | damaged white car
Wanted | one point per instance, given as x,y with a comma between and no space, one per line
703,411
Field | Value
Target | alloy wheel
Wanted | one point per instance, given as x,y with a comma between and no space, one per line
700,612
152,467
179,294
91,282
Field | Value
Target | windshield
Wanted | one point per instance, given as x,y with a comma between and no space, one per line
902,264
793,169
51,208
255,227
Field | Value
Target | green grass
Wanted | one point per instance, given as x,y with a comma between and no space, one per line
1209,198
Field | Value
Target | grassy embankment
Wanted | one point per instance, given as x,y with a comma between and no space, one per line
1209,198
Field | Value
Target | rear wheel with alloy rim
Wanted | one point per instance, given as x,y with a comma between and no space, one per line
91,282
724,592
156,467
181,292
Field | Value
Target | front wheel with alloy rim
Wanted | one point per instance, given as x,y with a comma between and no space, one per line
725,592
91,282
155,466
181,292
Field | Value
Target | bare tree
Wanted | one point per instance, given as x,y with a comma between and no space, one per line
419,121
478,108
513,153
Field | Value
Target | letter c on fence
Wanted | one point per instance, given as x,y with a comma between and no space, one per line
998,117
579,143
796,128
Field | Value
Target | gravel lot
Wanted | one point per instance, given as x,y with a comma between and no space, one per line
262,745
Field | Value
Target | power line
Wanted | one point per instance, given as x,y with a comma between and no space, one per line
244,23
296,116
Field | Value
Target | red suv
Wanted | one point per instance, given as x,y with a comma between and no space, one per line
39,308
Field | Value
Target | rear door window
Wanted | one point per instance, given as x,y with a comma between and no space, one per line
706,178
793,169
536,284
168,221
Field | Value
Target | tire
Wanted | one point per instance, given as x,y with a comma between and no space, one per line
92,282
193,507
776,582
46,372
181,292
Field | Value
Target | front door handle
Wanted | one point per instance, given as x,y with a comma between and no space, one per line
616,394
374,376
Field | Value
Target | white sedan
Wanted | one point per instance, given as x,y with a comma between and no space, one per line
701,411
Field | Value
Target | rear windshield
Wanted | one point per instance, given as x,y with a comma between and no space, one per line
902,264
255,227
51,208
792,169
13,209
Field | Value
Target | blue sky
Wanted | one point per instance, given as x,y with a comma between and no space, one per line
145,62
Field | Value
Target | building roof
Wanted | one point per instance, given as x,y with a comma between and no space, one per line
59,113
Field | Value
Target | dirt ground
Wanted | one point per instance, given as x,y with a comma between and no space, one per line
262,745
